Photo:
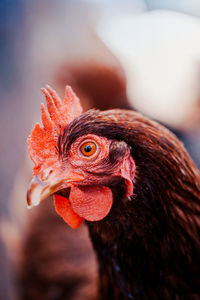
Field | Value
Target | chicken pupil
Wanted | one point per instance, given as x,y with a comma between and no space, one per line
88,148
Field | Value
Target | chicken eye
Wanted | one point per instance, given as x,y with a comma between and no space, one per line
88,148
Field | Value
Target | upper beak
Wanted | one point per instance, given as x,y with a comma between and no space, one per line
39,190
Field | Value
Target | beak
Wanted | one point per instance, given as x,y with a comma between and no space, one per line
39,190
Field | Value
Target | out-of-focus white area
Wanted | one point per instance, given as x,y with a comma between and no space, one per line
186,6
160,52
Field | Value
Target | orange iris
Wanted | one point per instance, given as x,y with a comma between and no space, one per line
88,148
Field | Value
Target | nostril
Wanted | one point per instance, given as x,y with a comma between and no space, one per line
46,173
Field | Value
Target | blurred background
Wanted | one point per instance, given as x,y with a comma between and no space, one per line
136,54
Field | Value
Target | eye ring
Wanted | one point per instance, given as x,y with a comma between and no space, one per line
88,148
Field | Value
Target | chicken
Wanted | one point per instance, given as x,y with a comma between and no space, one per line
136,188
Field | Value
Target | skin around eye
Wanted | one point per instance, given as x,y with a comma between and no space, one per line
88,148
85,157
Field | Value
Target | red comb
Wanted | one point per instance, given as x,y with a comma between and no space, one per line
43,141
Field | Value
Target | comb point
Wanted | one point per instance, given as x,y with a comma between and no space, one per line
52,109
69,96
72,100
46,121
42,89
55,96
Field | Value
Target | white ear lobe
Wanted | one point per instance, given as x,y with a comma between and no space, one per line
128,173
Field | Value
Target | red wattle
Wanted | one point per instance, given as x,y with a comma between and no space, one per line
92,203
64,209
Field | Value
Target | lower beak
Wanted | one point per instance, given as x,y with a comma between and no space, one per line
39,190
